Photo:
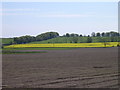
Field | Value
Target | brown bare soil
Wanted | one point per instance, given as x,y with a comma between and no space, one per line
77,68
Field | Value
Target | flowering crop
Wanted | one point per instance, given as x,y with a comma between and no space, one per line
109,44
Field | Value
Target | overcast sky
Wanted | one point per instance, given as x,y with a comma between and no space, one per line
33,18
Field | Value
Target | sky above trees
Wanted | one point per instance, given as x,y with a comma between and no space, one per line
33,18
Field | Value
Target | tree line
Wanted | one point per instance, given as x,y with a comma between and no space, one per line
93,34
114,36
49,35
40,37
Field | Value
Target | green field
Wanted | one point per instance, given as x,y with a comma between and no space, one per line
20,52
64,40
6,40
79,40
30,50
33,48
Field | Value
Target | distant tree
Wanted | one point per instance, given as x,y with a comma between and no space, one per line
114,34
118,34
93,34
28,38
17,40
80,35
98,34
107,34
76,35
103,34
72,35
64,35
67,35
88,35
47,35
23,39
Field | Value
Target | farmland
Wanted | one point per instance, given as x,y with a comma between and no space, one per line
72,68
6,40
60,62
79,40
109,44
62,44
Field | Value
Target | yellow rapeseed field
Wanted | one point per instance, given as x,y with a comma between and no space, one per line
108,44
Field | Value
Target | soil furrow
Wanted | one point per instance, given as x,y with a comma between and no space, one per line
78,79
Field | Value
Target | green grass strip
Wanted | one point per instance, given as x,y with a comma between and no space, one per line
46,48
21,52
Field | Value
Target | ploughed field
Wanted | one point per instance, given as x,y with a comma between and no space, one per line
74,68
